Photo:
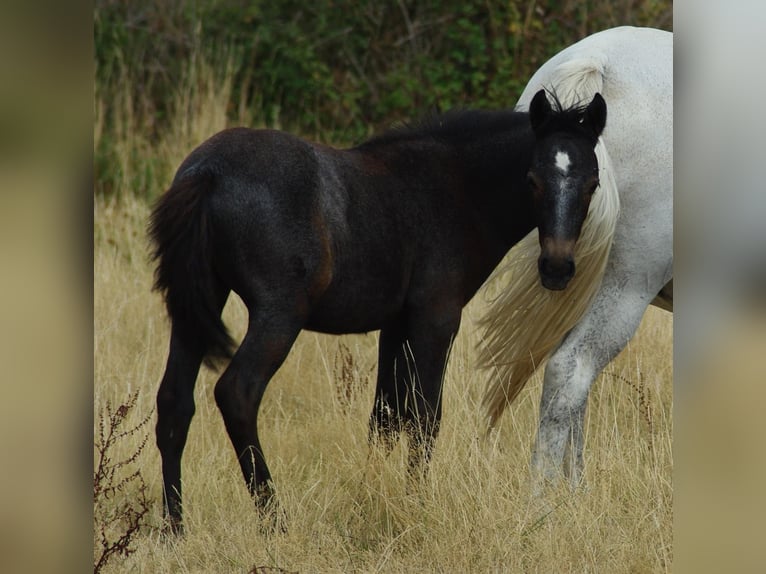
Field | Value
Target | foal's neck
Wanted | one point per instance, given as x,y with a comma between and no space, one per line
482,155
496,167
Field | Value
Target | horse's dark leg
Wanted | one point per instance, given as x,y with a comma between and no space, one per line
429,339
239,392
386,420
175,409
412,358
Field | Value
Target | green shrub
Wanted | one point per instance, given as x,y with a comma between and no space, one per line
330,70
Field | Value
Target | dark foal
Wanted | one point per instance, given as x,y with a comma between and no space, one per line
396,234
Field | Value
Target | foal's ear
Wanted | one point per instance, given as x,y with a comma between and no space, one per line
539,109
595,114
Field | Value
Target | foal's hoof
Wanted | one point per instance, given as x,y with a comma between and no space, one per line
172,526
273,518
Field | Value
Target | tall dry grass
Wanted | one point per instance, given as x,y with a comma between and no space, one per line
348,509
132,158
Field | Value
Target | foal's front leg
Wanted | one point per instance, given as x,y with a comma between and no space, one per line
413,358
429,342
387,418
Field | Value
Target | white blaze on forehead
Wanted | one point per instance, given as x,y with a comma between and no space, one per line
563,161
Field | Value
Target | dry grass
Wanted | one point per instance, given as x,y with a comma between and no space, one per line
350,510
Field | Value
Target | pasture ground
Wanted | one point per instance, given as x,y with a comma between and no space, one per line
350,510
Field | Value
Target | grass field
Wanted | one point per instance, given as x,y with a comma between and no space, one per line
349,510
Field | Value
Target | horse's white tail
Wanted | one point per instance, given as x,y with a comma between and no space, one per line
526,321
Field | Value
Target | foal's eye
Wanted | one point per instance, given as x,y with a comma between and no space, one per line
532,181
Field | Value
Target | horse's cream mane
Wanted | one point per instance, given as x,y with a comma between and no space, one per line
526,321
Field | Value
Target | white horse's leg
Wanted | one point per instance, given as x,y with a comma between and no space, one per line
603,332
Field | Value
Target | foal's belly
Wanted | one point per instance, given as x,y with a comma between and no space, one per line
357,307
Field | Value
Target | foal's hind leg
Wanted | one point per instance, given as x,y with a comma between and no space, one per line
270,335
175,409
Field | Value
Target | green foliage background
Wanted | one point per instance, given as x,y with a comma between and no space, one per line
334,70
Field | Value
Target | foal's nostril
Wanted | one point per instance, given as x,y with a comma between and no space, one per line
570,268
557,267
544,266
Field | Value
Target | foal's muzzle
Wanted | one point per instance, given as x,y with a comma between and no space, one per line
556,264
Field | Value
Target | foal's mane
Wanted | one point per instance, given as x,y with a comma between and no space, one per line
462,125
453,125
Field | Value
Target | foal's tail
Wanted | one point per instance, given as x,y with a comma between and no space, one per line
180,229
525,322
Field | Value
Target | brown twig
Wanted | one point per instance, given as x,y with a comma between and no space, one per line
117,527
